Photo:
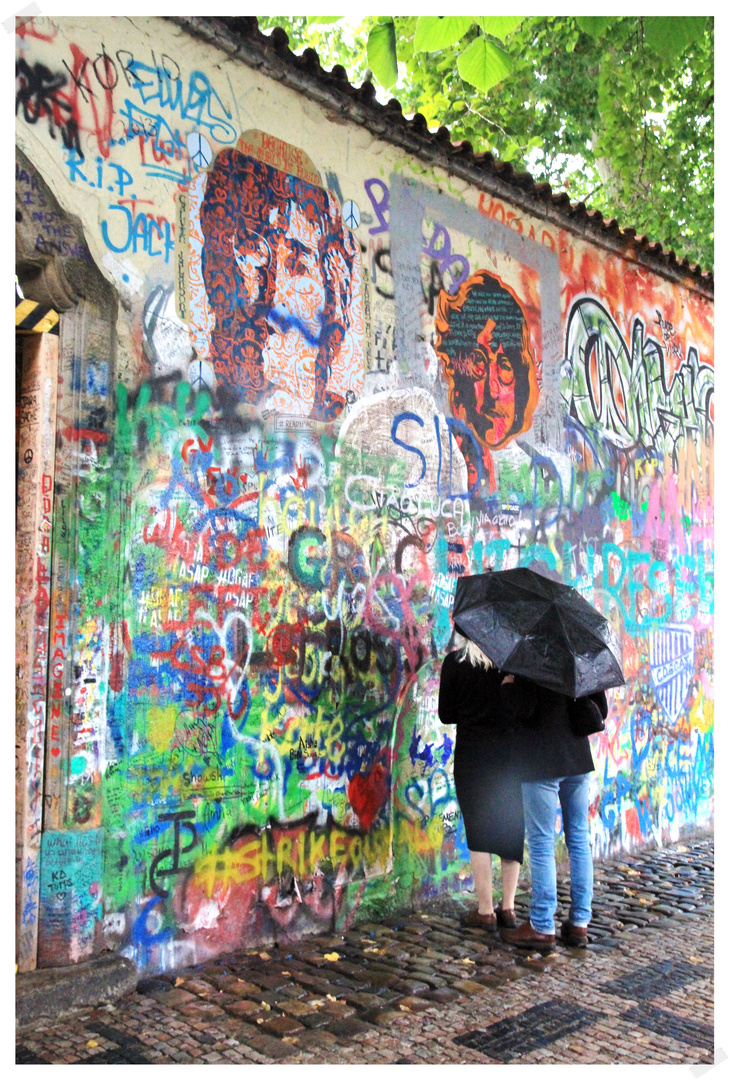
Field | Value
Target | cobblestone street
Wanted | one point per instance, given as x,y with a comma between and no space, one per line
424,990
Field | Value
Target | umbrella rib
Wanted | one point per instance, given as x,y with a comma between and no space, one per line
569,638
587,632
565,626
536,617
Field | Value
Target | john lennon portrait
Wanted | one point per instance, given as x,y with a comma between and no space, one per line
483,342
281,279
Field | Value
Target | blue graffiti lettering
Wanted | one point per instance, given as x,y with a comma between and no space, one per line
142,230
201,103
406,446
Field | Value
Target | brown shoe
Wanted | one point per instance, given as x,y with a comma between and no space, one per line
505,917
481,922
577,936
525,937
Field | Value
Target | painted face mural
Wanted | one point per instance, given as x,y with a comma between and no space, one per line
483,342
281,280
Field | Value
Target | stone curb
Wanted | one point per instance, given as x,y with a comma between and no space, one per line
58,992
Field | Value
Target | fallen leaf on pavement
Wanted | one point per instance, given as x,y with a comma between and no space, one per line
264,956
91,1044
332,956
466,960
179,981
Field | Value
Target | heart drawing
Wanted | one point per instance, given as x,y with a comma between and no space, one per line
367,793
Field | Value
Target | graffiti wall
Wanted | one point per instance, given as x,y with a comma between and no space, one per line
340,381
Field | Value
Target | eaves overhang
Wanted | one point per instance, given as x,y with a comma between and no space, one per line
240,38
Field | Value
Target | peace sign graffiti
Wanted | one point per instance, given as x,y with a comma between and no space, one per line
199,150
351,214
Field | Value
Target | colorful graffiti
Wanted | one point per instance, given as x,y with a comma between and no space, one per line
280,288
307,434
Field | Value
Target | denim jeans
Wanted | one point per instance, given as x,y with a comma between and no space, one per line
540,800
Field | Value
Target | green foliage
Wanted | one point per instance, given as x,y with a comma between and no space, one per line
594,25
483,65
382,55
617,110
434,33
668,35
499,26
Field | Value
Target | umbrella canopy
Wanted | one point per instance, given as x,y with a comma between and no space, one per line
529,625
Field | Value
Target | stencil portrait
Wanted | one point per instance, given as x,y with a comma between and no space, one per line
483,342
282,278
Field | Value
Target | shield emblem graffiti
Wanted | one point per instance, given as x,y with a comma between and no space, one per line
672,663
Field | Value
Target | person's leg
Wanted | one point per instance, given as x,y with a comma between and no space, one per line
540,799
574,792
510,877
481,869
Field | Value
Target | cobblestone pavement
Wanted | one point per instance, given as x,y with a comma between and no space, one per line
641,993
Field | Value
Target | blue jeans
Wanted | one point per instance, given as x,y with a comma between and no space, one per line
540,800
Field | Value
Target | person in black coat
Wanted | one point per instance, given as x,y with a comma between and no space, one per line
488,787
554,762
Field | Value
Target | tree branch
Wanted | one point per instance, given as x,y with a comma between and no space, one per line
493,123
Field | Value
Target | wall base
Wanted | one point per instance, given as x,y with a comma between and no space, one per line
56,992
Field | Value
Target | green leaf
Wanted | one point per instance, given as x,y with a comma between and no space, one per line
669,35
323,19
483,65
510,152
447,64
434,32
499,26
382,55
594,25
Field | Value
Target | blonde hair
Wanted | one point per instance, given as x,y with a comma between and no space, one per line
475,656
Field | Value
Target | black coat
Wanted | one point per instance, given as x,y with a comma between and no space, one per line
544,745
470,697
487,786
517,728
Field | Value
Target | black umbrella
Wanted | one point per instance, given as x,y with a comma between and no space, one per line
529,625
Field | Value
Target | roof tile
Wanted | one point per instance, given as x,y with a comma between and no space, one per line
246,27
